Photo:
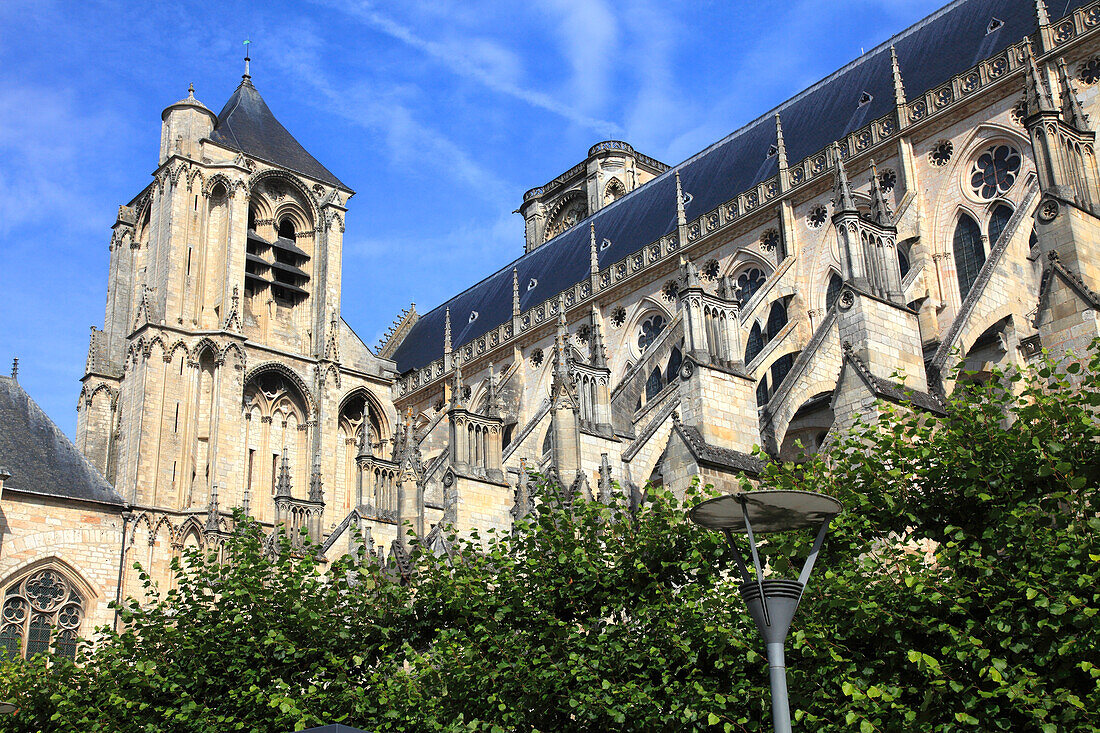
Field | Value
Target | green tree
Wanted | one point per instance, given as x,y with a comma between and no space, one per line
957,591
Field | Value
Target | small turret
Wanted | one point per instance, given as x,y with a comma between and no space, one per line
183,125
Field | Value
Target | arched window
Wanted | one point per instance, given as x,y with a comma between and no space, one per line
277,419
44,602
755,343
777,318
969,252
748,282
675,359
252,219
833,290
286,229
649,330
548,440
998,220
780,369
762,391
654,384
903,260
359,430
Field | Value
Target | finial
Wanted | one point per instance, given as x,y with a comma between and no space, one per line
599,353
212,510
1041,14
880,212
842,190
316,486
283,487
681,214
515,291
689,273
456,387
247,58
15,369
895,69
780,145
191,91
492,404
1072,111
593,253
447,331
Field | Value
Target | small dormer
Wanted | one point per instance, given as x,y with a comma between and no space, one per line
612,169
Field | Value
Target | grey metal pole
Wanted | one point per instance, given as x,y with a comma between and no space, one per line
777,675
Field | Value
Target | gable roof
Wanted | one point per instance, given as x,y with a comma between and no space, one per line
41,459
949,41
246,124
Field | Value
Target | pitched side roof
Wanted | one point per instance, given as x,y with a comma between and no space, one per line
246,124
41,459
930,53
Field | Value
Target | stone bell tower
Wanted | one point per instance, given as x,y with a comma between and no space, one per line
220,351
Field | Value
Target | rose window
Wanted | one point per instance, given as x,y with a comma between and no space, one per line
710,270
995,171
41,606
1090,70
618,317
670,290
769,240
537,358
887,179
649,330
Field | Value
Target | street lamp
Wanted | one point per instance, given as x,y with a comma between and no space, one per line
771,602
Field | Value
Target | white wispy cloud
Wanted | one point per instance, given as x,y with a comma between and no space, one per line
475,59
588,33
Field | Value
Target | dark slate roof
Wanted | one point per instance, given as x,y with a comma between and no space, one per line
716,456
41,459
246,124
929,53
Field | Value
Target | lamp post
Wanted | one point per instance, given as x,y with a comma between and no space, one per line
773,602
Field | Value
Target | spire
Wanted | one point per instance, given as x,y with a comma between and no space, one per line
604,485
282,487
1038,95
1072,112
515,292
447,332
492,402
599,352
316,487
689,273
191,92
880,212
247,78
246,502
899,87
681,214
593,253
212,510
842,190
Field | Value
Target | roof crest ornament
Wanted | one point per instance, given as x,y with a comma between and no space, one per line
515,292
681,214
447,331
780,146
247,58
593,253
899,87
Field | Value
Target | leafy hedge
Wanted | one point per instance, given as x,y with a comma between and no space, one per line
958,591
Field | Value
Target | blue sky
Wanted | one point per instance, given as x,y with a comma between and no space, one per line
439,113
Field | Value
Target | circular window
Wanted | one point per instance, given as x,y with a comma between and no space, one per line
1018,113
941,153
769,240
995,171
670,290
536,358
649,330
618,317
817,216
748,282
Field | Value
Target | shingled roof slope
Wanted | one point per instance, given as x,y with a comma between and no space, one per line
930,53
246,124
41,459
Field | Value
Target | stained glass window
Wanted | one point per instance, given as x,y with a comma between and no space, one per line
748,282
969,252
997,223
995,171
649,330
44,603
833,291
755,343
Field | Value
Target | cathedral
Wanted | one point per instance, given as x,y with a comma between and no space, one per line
935,201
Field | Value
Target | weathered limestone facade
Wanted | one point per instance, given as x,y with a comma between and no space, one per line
911,211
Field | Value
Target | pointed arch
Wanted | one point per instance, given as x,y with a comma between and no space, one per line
233,346
215,180
999,215
968,251
291,181
777,318
207,344
45,605
291,375
755,343
832,290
